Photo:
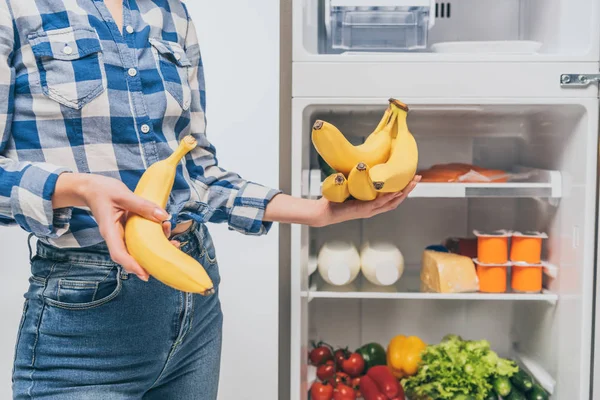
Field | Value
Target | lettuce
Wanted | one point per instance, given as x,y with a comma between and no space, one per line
455,367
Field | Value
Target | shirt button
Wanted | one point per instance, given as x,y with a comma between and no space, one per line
132,72
68,50
177,56
145,128
129,29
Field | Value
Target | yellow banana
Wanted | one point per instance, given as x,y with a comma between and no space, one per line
342,155
146,241
335,188
400,169
359,183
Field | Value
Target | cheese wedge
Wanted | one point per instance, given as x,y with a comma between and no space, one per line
448,273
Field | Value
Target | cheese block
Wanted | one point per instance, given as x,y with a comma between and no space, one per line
448,273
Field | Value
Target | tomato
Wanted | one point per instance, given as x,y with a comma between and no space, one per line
326,371
341,378
354,365
321,391
320,354
339,356
356,386
343,392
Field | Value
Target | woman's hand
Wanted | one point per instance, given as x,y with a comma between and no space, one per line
109,200
319,213
334,213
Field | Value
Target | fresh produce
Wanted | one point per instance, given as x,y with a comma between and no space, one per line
339,356
354,365
516,394
145,239
401,167
326,371
373,354
326,170
462,397
491,395
537,393
335,188
381,263
522,381
380,384
455,367
321,391
404,355
502,386
338,263
359,183
341,378
356,386
344,392
342,156
320,354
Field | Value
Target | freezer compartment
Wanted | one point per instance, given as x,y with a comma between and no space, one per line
471,28
396,25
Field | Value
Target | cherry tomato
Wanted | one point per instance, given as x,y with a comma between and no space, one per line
320,355
341,378
354,365
356,386
343,392
339,356
326,371
321,391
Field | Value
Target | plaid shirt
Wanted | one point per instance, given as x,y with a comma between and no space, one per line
78,95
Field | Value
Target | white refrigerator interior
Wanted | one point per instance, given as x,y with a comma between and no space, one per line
243,107
508,96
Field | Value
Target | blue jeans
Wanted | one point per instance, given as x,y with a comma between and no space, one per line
91,331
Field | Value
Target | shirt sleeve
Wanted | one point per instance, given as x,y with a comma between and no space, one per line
230,198
26,188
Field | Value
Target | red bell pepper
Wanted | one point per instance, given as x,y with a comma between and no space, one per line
381,384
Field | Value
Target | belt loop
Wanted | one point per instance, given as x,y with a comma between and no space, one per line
29,246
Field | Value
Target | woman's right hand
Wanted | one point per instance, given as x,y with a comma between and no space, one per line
109,200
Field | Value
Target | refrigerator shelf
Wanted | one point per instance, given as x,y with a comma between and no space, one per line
542,184
408,288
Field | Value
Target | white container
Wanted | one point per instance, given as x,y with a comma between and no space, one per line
378,25
338,263
381,263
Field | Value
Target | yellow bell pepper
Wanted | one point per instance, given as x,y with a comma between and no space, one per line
404,355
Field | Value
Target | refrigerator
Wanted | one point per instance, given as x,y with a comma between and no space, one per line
509,85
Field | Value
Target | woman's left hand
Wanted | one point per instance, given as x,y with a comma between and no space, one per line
334,213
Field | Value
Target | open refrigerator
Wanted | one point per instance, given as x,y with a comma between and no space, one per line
502,84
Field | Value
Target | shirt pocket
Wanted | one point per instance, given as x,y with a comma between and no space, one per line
70,65
173,65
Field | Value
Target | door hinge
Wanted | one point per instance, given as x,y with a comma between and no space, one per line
578,80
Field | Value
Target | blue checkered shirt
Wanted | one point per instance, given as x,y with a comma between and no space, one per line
77,95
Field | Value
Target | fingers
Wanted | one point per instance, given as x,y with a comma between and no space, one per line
175,243
167,228
118,252
144,208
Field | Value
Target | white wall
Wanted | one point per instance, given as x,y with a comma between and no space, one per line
240,45
240,49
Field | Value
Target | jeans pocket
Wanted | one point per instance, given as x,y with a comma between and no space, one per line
19,331
81,287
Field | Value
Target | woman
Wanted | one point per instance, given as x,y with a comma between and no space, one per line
92,93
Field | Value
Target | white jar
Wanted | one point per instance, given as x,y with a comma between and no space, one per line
338,263
382,263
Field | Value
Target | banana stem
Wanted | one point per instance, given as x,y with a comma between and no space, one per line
186,145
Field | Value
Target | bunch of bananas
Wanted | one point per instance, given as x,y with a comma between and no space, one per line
385,163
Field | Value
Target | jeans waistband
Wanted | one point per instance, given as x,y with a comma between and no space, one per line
99,254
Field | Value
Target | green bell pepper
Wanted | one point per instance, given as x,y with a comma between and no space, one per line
374,354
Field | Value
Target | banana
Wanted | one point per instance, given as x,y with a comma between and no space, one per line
342,156
335,188
359,183
146,241
399,170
